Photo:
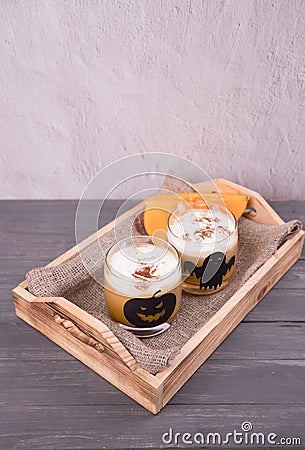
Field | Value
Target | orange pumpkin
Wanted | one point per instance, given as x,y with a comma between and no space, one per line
158,207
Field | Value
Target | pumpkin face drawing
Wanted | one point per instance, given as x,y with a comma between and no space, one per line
150,312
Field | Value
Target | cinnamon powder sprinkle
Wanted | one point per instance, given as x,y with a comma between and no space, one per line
207,219
201,219
205,233
145,272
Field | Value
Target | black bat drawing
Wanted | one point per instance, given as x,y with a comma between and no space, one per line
212,271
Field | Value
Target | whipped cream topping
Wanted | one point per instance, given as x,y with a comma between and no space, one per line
202,226
143,261
199,232
145,268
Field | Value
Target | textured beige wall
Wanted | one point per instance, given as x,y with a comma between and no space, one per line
83,83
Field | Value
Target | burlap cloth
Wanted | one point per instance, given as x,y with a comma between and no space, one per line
257,242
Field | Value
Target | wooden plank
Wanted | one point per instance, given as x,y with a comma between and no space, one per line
57,217
74,251
278,305
54,232
294,279
12,273
14,269
250,340
96,427
259,340
34,246
45,216
235,381
224,381
47,232
292,209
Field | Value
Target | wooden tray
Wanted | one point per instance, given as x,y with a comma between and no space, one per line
90,340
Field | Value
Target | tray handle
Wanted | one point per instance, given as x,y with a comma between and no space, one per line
76,332
97,330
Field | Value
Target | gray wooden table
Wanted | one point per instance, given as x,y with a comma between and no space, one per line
49,400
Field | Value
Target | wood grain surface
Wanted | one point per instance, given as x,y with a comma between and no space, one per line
48,400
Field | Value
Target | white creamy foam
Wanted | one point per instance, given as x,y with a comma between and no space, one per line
198,232
146,268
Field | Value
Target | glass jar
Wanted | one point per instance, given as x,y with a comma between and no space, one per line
207,241
142,284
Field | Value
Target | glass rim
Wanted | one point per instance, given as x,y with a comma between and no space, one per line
202,244
145,280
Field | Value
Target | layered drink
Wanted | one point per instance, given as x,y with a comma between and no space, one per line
207,241
142,284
